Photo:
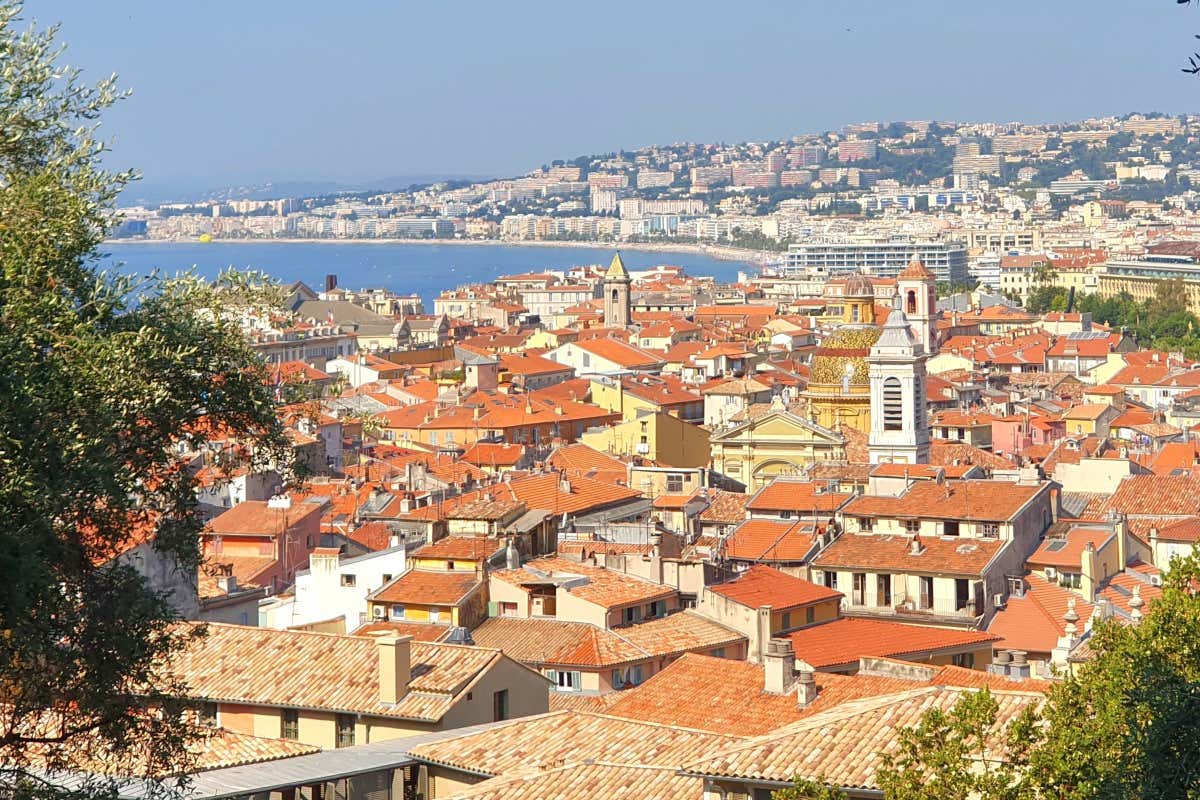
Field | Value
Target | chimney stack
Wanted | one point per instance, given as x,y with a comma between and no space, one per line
806,688
395,667
779,666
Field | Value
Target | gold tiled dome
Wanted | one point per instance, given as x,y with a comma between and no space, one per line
846,345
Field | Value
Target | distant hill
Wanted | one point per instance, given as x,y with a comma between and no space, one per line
151,192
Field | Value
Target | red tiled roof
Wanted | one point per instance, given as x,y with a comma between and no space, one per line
770,540
763,585
425,587
845,640
978,500
893,553
799,497
1034,623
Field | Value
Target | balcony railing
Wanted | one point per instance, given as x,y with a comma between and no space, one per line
914,607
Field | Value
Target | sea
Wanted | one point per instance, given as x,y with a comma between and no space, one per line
423,269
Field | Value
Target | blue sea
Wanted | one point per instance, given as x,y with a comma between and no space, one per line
406,268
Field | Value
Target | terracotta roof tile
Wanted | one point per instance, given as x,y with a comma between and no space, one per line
770,540
263,666
978,500
428,587
845,640
798,497
604,587
579,781
1034,623
762,585
949,555
843,745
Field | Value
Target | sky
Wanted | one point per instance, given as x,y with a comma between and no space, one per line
228,93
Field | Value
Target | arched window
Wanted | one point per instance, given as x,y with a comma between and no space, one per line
912,303
893,405
616,294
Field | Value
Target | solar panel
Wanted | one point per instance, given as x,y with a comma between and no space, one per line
1056,545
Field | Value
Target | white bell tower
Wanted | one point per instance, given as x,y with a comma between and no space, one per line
917,289
899,426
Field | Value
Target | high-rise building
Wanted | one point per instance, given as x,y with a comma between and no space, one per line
881,258
857,150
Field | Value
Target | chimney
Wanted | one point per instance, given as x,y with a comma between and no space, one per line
227,583
779,666
656,544
806,688
512,558
395,666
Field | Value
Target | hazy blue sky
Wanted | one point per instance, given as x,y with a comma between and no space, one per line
258,89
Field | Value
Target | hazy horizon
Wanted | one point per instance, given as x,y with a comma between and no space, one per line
288,92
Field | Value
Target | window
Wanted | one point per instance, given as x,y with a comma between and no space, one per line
893,405
717,653
349,580
966,660
658,608
859,596
883,591
786,622
450,565
866,524
500,705
397,612
674,483
912,525
587,360
345,730
387,577
208,714
508,609
989,530
1016,586
810,615
926,599
911,302
831,579
1069,579
565,680
632,614
950,528
289,724
435,615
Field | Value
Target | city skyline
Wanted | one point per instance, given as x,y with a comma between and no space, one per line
292,95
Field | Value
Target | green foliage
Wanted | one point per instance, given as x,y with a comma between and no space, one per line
100,378
1125,724
804,789
1162,322
958,753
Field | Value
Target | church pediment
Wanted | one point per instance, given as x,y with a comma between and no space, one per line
780,425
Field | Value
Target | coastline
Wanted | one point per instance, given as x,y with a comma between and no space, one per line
718,252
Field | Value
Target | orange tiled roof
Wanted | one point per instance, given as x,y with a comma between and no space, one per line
763,585
1156,495
569,736
419,631
845,640
770,540
264,666
623,781
1066,552
1034,623
893,553
843,745
797,496
979,500
725,506
424,587
605,587
465,548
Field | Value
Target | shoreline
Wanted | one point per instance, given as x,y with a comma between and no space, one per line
718,252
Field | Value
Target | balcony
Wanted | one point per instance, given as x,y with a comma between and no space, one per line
918,609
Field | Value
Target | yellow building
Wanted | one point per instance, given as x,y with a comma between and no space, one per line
839,389
660,437
779,442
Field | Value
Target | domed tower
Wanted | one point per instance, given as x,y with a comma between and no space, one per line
616,294
917,288
839,387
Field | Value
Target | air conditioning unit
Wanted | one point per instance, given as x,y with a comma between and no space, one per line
643,448
1051,574
1156,580
998,601
379,612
